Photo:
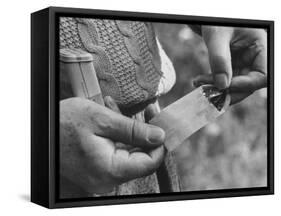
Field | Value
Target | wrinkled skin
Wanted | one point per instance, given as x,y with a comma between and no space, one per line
93,154
100,148
238,60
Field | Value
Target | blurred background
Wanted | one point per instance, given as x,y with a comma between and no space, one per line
229,153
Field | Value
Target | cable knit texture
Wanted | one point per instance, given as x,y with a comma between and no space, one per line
125,55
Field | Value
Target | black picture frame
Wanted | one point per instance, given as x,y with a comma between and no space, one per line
45,107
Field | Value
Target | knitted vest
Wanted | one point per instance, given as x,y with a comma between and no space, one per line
126,56
127,62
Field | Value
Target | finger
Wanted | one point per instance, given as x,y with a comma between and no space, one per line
208,79
217,40
120,128
111,104
244,85
128,166
151,110
257,52
203,79
241,86
260,60
237,97
248,83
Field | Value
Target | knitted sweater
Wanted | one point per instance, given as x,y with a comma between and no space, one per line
129,68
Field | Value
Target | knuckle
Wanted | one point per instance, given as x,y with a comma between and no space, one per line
125,127
139,134
259,45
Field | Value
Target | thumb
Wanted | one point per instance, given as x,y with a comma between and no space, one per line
129,131
217,40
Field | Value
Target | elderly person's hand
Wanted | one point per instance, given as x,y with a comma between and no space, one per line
238,60
93,156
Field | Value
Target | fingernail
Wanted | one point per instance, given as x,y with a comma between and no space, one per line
221,81
156,135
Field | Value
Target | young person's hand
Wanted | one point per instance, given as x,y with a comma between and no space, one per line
238,60
93,154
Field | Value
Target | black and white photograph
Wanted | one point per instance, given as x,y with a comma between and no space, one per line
160,108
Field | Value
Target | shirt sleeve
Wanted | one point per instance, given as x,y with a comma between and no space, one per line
168,79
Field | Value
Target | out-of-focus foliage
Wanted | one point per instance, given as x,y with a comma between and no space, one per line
229,153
